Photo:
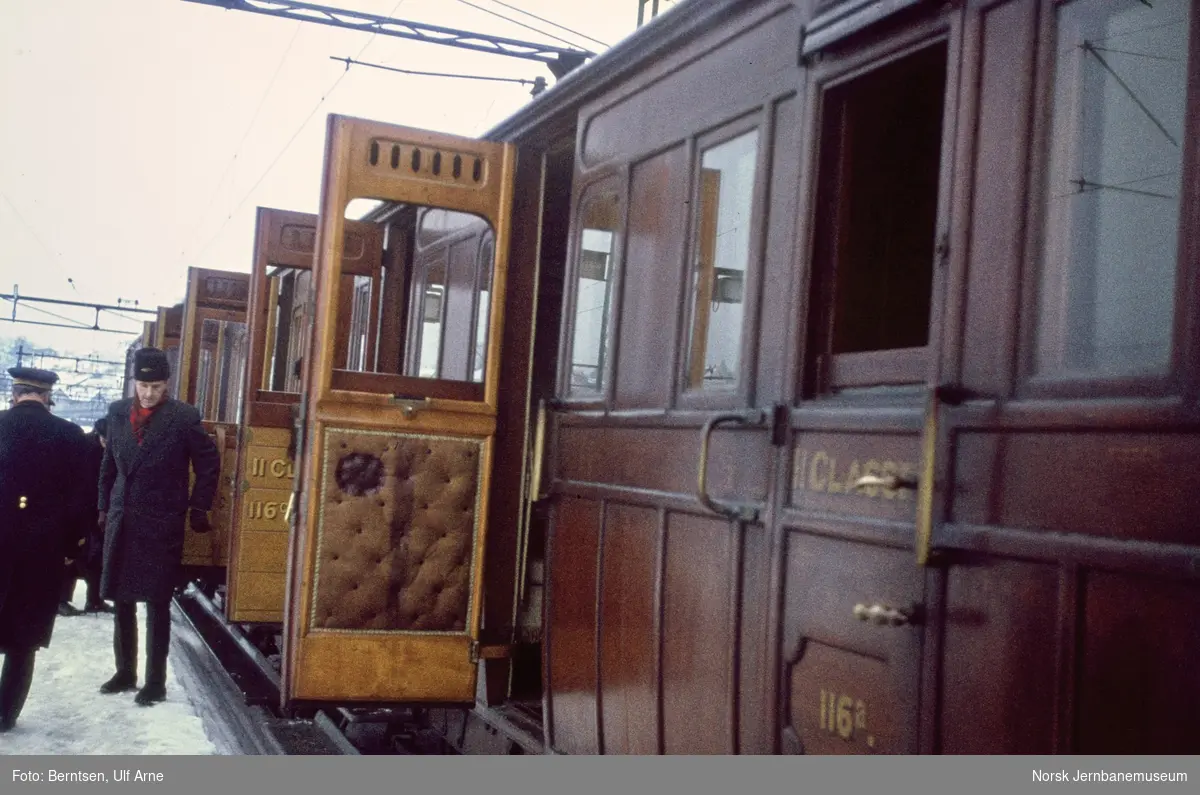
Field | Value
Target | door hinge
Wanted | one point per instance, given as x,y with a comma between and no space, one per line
476,652
780,419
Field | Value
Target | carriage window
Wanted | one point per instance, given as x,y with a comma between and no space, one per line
1107,290
171,349
877,219
360,320
483,306
426,315
593,292
220,370
720,253
289,313
433,303
206,355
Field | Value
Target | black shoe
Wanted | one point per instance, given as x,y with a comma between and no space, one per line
7,723
151,694
121,683
66,609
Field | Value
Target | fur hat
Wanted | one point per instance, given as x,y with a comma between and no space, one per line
151,364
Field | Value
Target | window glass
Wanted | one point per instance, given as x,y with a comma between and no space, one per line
1107,288
593,292
720,254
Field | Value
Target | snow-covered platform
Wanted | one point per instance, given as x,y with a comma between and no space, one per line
66,714
205,712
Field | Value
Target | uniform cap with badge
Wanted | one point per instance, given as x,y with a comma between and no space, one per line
42,380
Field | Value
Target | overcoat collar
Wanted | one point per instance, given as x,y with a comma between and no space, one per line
156,430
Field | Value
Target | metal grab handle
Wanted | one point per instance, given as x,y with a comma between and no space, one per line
291,510
890,482
745,513
883,615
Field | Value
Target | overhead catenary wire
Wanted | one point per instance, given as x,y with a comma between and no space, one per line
328,93
555,24
249,128
515,22
53,257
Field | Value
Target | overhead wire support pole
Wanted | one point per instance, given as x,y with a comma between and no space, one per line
560,60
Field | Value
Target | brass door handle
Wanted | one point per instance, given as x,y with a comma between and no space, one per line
745,513
883,615
891,482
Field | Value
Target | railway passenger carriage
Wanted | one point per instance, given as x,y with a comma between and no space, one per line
280,319
211,370
797,377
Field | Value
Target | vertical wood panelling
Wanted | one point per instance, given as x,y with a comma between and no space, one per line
1137,690
754,730
628,680
779,272
997,226
572,614
992,636
697,643
654,244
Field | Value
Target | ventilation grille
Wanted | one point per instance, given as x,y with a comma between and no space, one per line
428,162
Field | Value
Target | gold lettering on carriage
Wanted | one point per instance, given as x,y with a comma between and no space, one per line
266,509
822,472
845,716
279,468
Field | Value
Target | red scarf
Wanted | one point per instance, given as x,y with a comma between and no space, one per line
139,418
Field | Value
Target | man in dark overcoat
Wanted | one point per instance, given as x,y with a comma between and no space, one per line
144,508
44,494
92,564
87,565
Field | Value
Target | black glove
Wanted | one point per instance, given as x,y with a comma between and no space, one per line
199,520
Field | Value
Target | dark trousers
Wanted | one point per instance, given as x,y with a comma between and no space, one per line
70,576
158,639
89,569
15,679
93,587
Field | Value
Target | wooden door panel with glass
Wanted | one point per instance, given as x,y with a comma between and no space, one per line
386,562
280,319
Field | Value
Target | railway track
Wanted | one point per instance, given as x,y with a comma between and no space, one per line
236,691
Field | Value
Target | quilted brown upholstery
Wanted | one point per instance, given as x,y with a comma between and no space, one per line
397,532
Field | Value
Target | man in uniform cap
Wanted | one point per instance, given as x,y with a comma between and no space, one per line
144,508
44,494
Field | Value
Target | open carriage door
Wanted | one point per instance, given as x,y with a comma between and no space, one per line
279,317
212,364
385,582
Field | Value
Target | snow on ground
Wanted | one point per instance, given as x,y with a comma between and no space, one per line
66,713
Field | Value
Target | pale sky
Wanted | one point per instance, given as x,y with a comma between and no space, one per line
120,121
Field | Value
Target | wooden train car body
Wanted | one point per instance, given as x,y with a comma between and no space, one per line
838,386
280,323
168,329
211,370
